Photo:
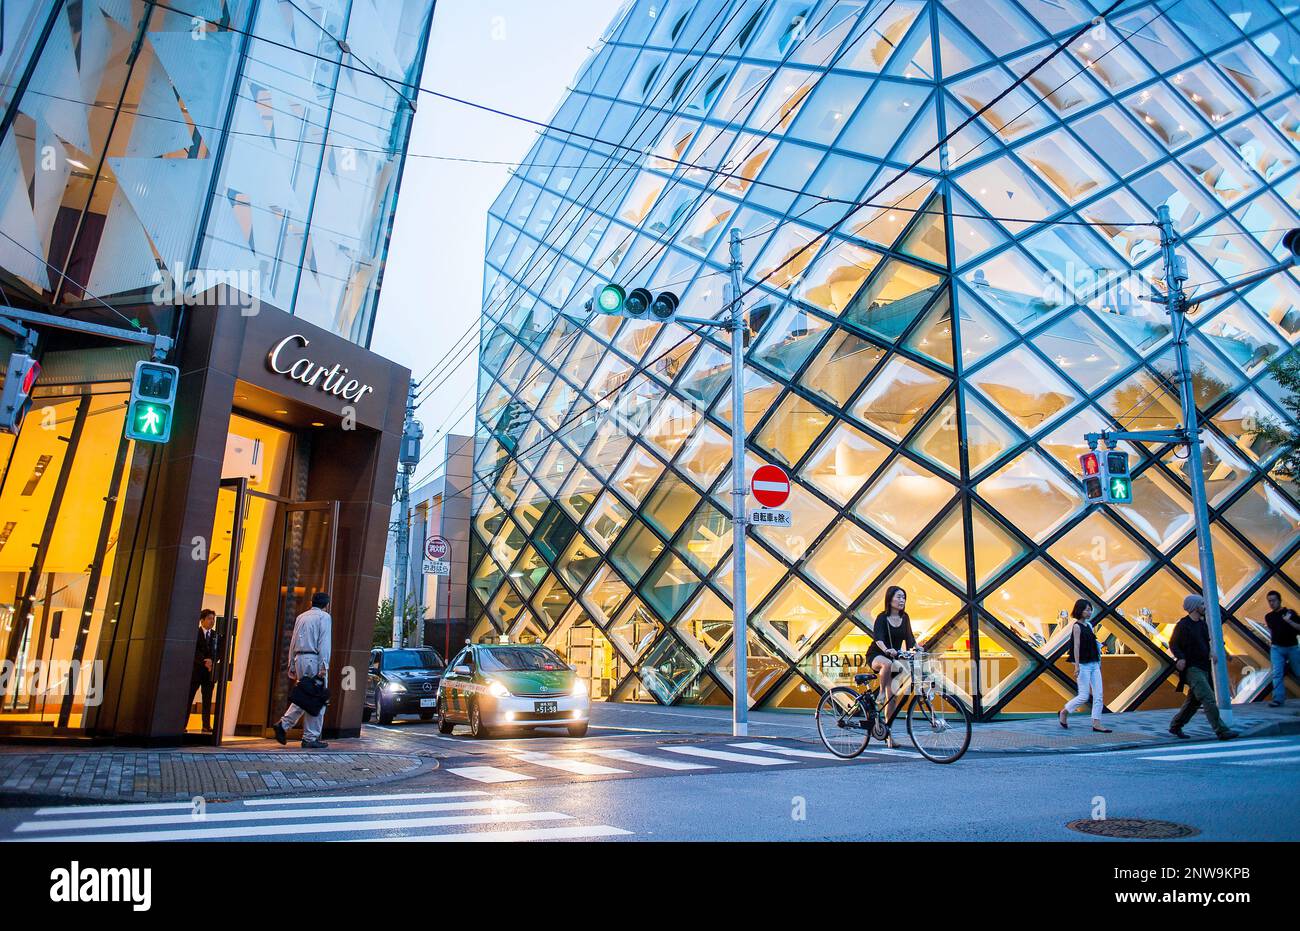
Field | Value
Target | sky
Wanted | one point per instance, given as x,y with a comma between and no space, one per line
515,55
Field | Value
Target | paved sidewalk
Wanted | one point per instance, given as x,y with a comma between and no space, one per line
57,776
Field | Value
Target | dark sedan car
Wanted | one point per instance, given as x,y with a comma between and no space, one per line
402,681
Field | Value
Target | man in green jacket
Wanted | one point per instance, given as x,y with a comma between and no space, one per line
1190,645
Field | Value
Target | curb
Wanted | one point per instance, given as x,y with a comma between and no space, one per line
10,799
1272,729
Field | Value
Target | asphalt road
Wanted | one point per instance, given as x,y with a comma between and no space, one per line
640,783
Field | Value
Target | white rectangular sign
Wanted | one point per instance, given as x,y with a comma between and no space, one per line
769,518
437,567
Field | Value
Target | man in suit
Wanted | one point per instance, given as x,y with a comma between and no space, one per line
205,660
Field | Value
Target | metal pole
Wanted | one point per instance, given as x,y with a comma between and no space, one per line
401,571
1175,276
739,639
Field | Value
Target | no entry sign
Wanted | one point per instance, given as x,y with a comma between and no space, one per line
771,486
436,548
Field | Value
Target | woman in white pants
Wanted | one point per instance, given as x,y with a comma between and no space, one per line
1085,653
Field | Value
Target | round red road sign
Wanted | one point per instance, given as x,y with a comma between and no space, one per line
436,548
771,486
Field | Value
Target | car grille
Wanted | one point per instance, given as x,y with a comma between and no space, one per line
547,716
555,694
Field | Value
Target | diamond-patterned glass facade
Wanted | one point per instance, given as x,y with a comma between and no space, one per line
927,372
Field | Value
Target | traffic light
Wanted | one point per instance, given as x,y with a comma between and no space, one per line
20,378
637,304
153,397
1115,473
1093,490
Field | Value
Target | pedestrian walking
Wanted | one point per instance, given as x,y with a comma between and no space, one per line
1190,645
1283,625
203,674
309,660
1085,653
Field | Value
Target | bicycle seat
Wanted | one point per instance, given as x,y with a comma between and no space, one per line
863,678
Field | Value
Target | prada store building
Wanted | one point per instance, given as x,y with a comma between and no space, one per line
276,483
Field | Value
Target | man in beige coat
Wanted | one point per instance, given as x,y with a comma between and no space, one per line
309,655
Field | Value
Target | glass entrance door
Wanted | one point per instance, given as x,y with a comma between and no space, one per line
232,506
308,540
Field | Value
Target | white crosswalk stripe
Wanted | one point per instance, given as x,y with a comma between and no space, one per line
728,756
488,773
645,759
1196,747
410,817
787,751
579,767
1236,752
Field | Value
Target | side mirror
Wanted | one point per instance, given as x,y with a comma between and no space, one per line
463,670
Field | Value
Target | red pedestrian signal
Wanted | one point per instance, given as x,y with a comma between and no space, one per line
1093,489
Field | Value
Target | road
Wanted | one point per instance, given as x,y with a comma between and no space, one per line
632,782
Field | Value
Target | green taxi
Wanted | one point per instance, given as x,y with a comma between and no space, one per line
494,686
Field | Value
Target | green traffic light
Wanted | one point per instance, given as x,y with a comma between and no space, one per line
150,423
1121,490
610,299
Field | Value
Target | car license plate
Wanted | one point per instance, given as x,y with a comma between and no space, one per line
545,707
428,702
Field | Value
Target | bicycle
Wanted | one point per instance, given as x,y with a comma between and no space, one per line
938,722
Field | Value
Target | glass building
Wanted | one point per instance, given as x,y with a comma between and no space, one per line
142,146
926,373
224,173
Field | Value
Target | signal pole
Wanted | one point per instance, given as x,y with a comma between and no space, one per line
739,624
407,459
1175,300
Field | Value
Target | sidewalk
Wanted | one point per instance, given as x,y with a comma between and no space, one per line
1024,735
57,776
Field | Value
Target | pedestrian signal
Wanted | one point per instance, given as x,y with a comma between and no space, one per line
16,397
1093,490
1115,472
153,398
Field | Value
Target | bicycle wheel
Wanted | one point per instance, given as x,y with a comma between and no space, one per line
842,722
939,725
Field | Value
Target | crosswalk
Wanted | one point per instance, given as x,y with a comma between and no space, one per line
1261,752
436,817
520,766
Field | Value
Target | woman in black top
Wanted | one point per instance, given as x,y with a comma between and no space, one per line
1085,652
893,632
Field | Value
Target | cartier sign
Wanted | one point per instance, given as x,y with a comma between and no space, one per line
332,379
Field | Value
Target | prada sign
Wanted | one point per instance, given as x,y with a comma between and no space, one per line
329,379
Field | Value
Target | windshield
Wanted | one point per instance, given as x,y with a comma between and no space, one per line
412,659
517,659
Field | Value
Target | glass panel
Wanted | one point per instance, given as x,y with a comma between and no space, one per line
761,573
840,657
929,604
763,665
898,396
1035,603
846,561
669,669
706,623
788,340
636,550
707,538
634,629
938,441
898,292
1100,555
837,275
604,594
578,561
1267,518
843,462
606,518
1023,387
844,360
580,643
1235,568
1031,495
792,428
667,587
795,618
903,500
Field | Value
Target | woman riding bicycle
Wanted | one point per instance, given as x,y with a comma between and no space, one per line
892,634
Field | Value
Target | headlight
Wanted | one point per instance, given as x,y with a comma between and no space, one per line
395,687
497,690
579,688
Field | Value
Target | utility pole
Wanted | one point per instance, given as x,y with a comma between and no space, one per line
1189,433
1176,301
739,624
407,459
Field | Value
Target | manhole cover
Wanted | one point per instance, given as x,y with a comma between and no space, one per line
1132,828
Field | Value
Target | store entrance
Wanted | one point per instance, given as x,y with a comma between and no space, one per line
267,556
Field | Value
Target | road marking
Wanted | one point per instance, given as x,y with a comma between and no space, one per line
788,751
1197,746
488,774
525,834
642,759
718,719
1289,756
1214,754
728,756
412,733
292,830
215,817
579,767
360,798
144,806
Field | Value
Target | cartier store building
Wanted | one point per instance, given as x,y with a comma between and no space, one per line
276,483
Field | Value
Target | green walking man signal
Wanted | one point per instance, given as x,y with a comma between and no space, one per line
153,398
1106,477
